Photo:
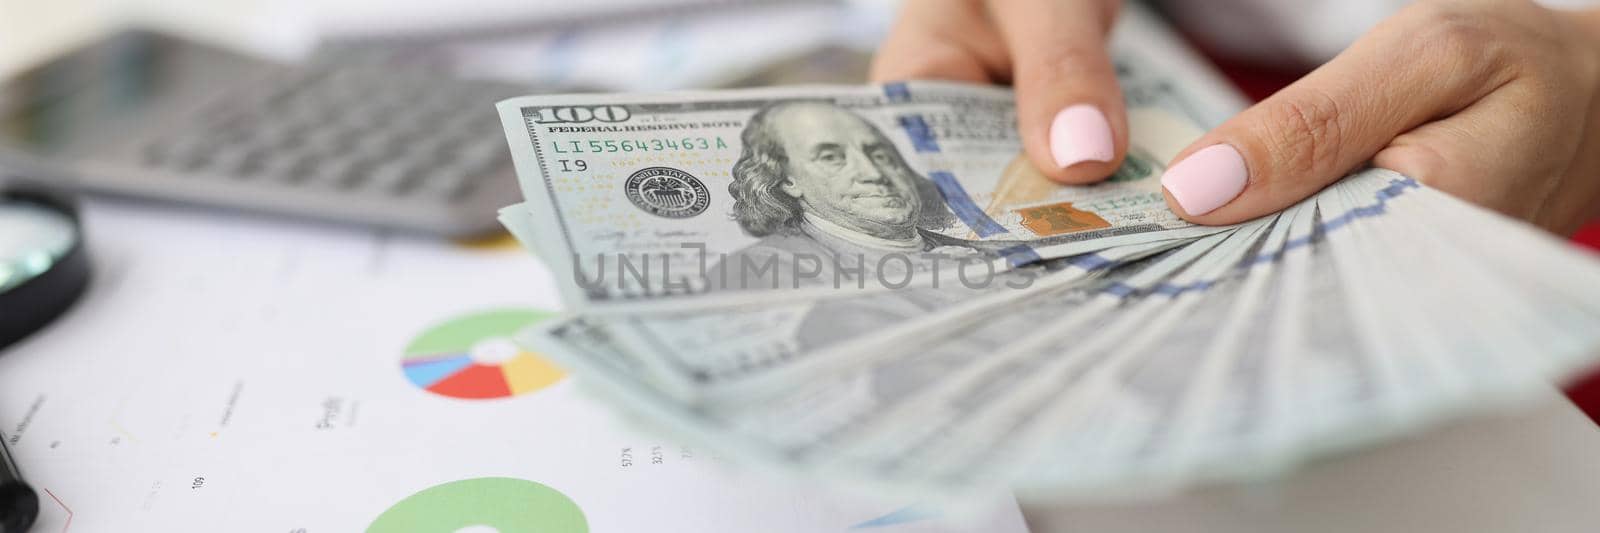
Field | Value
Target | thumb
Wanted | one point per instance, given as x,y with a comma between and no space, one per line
1320,128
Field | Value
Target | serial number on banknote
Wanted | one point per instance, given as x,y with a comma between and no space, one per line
1125,202
610,146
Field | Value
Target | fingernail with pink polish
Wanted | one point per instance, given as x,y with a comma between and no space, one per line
1207,179
1080,133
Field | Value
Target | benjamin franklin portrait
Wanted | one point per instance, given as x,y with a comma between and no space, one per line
816,181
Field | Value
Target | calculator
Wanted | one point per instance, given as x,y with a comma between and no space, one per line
382,143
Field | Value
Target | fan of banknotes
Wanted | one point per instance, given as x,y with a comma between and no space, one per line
871,284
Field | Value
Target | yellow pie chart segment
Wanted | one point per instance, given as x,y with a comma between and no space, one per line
526,373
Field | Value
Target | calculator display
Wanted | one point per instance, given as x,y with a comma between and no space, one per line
94,96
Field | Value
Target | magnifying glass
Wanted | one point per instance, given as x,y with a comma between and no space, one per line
43,266
43,270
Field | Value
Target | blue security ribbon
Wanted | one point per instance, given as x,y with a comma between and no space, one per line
1020,255
921,135
897,91
1395,189
963,206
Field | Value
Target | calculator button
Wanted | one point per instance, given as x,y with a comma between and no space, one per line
428,147
474,123
234,160
363,119
327,140
392,177
287,167
276,135
446,184
377,144
157,153
181,153
341,173
482,156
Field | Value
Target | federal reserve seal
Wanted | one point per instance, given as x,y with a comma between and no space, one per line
667,192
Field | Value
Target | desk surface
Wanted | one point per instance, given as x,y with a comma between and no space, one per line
1536,470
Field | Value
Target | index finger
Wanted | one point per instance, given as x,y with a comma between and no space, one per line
1070,111
945,40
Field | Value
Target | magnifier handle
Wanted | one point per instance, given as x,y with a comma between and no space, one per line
19,505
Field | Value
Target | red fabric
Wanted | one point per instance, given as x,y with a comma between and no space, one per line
1586,392
1259,82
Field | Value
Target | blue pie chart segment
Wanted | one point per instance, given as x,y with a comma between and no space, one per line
426,372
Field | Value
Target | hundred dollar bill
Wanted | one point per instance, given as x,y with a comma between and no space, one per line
677,198
753,349
809,426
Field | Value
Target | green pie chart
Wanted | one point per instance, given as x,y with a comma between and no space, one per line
484,505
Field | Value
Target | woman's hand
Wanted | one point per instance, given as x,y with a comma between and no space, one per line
1494,101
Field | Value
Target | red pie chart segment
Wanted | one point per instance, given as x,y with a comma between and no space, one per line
474,382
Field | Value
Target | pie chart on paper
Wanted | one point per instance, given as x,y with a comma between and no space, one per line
484,505
473,357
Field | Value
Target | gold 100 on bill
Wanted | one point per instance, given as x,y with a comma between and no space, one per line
730,196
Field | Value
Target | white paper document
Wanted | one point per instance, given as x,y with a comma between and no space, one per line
238,374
